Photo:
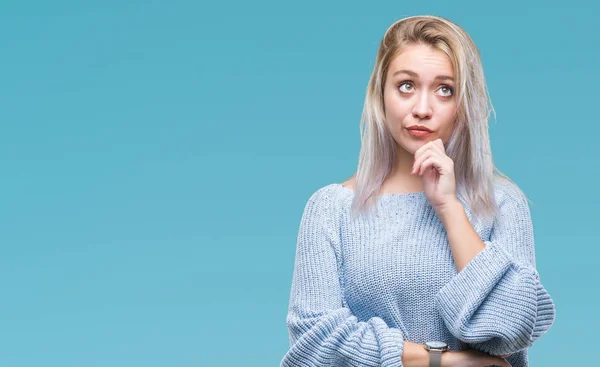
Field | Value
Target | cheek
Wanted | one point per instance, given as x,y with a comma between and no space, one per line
449,119
396,109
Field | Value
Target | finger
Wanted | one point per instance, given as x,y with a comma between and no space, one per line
418,160
440,144
418,164
436,146
431,162
424,148
421,149
426,152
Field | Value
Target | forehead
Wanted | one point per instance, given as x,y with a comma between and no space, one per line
423,60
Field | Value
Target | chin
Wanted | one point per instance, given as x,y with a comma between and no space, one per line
410,147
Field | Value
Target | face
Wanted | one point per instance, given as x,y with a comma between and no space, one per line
418,96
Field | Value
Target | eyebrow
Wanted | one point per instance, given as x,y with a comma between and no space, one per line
413,74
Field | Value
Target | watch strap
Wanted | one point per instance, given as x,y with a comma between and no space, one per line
435,358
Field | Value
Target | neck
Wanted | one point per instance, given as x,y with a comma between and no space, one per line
400,179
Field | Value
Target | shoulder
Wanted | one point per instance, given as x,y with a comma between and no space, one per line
322,212
331,193
507,191
350,182
325,197
326,203
511,202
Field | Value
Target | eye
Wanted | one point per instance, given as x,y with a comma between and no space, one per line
405,83
448,88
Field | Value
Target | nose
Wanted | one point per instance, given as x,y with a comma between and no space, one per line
422,108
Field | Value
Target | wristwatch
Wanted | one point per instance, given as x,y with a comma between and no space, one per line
435,349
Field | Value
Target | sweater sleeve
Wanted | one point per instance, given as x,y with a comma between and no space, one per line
322,329
497,303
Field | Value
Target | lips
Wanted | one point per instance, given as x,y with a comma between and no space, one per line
419,133
420,128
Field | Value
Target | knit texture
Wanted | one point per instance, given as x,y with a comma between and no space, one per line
362,286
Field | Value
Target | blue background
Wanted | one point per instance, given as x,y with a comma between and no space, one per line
156,157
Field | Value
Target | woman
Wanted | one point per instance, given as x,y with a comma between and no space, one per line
428,244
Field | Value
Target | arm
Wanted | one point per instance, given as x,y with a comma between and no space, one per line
496,302
464,239
322,329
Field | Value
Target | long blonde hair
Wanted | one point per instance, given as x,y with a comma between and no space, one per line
469,144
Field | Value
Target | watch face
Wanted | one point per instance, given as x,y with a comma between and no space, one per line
437,345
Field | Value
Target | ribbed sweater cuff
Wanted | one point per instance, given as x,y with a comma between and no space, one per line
473,282
397,343
491,302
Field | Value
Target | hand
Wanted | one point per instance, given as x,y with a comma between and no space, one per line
472,358
437,170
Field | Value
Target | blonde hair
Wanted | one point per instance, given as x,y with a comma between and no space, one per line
469,144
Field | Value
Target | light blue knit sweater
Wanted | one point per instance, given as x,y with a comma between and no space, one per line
362,286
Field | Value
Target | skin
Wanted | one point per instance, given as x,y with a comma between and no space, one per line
421,100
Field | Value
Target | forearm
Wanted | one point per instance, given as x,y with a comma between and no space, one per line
414,355
465,242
